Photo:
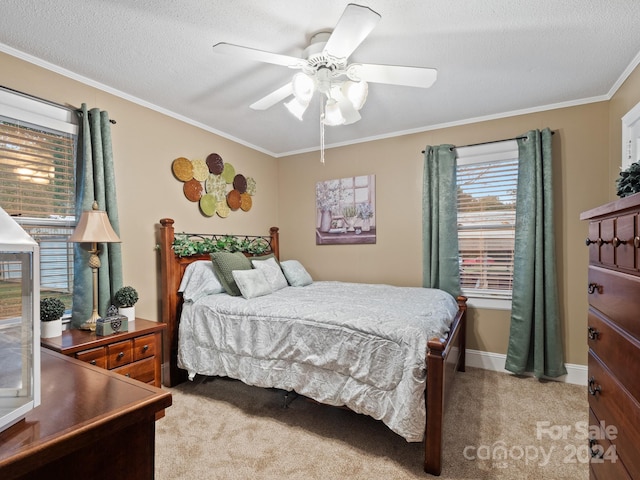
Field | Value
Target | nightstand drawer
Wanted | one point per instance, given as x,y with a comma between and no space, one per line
119,354
144,370
95,356
144,347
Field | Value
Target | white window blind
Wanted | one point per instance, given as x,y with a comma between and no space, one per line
487,178
37,183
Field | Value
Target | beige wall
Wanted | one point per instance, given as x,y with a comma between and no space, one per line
580,154
586,152
145,143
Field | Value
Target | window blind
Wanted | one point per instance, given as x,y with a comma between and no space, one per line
37,184
486,225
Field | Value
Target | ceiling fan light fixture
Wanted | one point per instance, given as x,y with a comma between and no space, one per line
332,114
296,107
303,87
356,92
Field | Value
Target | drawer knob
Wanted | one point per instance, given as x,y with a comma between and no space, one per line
617,242
145,348
588,241
593,288
120,355
93,362
594,390
593,333
636,242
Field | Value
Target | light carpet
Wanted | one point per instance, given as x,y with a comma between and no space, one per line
498,426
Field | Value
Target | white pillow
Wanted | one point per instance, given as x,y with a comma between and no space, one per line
252,283
199,280
296,274
272,273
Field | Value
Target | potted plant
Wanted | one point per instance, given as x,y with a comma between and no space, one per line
51,311
365,212
125,299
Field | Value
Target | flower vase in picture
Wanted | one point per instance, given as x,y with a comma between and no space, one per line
325,220
365,212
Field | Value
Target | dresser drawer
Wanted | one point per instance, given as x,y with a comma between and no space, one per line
144,370
616,295
617,408
95,356
144,347
119,354
605,463
615,347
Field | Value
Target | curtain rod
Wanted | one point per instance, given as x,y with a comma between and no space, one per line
490,141
48,102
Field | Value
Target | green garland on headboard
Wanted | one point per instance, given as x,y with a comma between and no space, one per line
186,245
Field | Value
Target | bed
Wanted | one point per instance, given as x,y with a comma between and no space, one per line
396,353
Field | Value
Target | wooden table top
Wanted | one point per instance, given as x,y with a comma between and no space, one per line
76,400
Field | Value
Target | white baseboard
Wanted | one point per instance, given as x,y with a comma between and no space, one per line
576,374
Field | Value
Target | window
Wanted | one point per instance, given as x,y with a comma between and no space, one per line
487,177
37,187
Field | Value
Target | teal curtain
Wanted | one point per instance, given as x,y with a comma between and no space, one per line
441,268
95,181
535,342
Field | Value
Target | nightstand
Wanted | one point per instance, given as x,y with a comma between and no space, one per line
136,354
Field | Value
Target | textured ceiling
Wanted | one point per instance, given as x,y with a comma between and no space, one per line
494,57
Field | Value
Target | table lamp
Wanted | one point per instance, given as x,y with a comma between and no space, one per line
94,227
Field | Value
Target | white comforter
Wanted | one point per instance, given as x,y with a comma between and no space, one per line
359,345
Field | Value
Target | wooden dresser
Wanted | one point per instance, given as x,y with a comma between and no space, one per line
136,353
613,334
90,424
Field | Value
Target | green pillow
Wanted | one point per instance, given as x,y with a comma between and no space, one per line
224,263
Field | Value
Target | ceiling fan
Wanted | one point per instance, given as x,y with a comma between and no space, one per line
325,69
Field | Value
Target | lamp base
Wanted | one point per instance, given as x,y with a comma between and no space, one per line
90,324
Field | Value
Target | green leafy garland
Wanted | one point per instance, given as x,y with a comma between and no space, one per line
185,245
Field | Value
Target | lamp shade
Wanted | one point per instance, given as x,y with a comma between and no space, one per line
303,87
296,107
94,226
333,115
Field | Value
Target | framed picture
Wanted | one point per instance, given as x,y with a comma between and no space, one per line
345,211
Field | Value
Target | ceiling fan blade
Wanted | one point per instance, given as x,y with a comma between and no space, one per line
353,27
273,98
258,55
393,74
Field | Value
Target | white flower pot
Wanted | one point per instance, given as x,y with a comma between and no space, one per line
51,329
129,312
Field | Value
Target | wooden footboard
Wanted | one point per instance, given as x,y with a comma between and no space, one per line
444,358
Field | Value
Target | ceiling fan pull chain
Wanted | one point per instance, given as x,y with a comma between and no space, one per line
321,131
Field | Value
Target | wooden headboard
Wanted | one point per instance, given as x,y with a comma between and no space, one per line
172,269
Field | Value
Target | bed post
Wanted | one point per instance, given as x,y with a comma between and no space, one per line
171,375
435,407
444,358
275,241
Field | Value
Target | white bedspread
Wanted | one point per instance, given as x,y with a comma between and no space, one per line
359,345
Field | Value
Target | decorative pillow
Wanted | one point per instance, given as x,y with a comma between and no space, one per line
224,263
252,283
296,274
272,272
264,257
199,280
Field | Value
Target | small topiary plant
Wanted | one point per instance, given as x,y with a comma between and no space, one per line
51,309
126,297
